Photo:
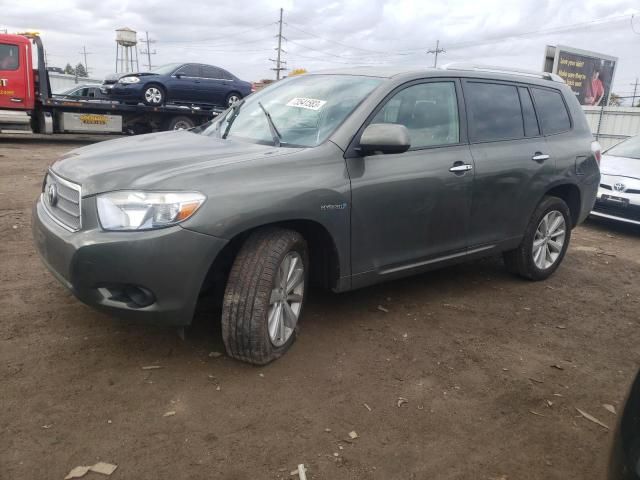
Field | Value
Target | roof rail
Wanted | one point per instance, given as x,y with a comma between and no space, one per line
508,71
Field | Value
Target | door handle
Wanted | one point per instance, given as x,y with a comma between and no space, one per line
540,157
461,168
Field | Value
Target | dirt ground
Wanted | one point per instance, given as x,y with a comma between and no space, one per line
492,369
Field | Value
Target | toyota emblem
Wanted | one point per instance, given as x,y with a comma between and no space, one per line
52,194
619,187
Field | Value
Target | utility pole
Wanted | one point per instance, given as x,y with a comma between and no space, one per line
436,52
278,61
635,89
84,53
148,51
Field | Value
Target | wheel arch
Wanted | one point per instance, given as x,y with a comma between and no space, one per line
324,257
570,194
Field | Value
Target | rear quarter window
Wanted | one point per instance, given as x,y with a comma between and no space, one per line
552,111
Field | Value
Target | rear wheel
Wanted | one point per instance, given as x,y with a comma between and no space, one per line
265,296
180,123
153,95
545,241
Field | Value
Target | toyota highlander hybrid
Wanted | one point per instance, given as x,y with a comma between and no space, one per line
341,179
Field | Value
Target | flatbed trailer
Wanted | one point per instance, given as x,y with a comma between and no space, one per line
27,105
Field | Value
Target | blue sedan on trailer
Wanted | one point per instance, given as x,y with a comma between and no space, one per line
191,83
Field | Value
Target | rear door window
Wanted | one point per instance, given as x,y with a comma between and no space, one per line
213,73
428,110
9,59
553,114
494,111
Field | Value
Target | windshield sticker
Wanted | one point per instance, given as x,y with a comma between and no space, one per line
308,103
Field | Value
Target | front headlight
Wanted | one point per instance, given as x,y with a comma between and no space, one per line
132,210
129,80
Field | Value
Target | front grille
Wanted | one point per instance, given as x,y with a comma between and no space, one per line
626,190
62,200
630,212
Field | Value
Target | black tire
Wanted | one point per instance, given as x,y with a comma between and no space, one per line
158,99
231,96
520,261
248,292
180,123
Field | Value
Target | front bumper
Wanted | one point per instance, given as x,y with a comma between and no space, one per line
618,199
118,91
153,276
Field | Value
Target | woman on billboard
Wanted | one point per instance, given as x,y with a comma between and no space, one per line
595,89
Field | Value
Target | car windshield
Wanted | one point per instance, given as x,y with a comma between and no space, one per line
305,110
69,91
165,69
629,148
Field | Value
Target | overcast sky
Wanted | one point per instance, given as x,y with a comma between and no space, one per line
240,36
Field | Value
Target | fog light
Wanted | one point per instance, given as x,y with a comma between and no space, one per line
133,296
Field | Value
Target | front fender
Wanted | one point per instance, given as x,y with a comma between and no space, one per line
310,185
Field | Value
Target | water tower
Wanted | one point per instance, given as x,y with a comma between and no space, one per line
126,50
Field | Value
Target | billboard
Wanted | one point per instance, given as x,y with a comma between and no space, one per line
588,74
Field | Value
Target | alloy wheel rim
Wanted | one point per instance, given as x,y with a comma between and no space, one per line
549,240
286,298
181,126
233,99
153,95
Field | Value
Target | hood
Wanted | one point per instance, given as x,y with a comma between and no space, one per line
155,161
114,77
620,166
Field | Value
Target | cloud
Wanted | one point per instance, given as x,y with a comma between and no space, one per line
241,37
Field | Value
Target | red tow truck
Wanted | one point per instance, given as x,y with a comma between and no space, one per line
27,104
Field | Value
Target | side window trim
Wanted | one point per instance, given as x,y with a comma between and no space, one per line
535,113
462,122
564,102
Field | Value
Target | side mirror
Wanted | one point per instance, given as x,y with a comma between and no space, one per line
178,75
385,138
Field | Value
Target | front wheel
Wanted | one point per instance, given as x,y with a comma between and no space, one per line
232,98
545,241
265,295
153,96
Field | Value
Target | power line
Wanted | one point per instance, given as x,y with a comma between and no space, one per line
221,37
416,51
336,42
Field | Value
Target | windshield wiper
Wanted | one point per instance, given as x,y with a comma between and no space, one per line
277,138
234,114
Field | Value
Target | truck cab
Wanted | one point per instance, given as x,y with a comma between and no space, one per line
17,80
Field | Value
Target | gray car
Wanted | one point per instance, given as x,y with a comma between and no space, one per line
341,179
619,193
